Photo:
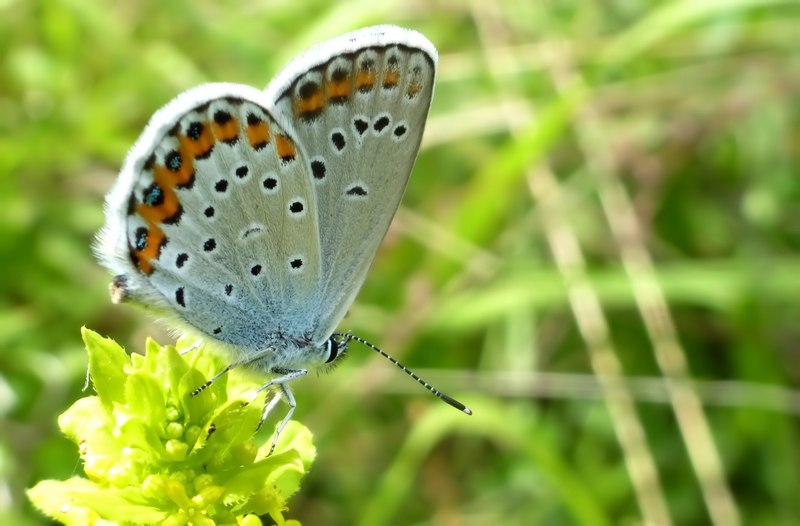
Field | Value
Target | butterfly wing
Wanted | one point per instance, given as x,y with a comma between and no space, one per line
357,105
210,222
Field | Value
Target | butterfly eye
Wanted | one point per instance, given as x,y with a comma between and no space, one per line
333,349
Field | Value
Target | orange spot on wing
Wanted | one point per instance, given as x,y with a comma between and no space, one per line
339,89
391,78
365,79
194,148
285,148
228,131
144,258
313,102
144,265
258,134
167,179
414,87
170,204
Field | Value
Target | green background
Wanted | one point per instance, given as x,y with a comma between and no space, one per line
597,252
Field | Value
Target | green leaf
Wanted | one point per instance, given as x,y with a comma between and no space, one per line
145,398
77,502
233,424
107,364
84,416
296,437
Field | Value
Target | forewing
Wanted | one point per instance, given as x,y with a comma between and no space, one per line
357,106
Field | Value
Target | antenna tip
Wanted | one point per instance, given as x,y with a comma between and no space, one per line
449,400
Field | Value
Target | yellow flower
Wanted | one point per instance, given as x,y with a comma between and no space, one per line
155,454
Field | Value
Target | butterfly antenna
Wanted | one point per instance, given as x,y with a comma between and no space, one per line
445,398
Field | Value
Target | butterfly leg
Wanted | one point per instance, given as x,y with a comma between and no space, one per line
268,407
211,381
216,377
289,396
287,376
192,347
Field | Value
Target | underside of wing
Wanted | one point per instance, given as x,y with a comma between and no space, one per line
358,107
211,219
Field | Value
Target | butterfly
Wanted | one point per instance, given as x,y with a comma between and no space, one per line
251,217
